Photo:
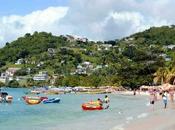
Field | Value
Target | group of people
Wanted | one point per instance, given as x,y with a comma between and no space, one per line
105,101
163,95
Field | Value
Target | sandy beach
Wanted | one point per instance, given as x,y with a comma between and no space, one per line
158,119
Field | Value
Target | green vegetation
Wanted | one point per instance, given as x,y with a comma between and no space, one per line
130,62
13,83
2,84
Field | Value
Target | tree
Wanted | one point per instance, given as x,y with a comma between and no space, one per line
13,84
21,72
164,75
30,82
2,84
59,81
2,63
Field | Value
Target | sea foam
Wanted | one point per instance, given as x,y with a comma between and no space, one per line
118,127
142,115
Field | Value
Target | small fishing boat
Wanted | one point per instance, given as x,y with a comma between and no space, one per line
53,100
93,105
32,100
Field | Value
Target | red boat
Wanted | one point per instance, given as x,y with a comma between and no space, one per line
43,98
92,106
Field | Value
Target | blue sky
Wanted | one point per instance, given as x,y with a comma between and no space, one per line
22,7
94,19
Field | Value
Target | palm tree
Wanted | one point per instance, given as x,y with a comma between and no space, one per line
172,75
164,75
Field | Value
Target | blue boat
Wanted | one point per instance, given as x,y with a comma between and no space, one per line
52,100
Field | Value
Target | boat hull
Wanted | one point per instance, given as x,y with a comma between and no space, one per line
32,100
91,107
41,98
54,100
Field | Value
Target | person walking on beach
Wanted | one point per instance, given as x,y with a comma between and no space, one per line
165,99
106,100
134,92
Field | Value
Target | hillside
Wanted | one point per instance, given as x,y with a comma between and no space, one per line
130,62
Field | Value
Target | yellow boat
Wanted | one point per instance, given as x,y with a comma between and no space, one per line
33,100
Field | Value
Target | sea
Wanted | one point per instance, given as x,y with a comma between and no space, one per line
68,114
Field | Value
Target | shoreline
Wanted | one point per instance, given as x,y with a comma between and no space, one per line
159,119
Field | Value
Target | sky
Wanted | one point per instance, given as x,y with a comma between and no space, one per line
94,19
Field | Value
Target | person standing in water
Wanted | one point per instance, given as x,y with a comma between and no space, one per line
153,97
165,99
106,100
99,102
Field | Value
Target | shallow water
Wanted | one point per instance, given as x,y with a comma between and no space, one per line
68,115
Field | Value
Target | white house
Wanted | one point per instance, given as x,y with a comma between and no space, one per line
11,71
42,76
3,78
169,47
70,38
19,62
84,68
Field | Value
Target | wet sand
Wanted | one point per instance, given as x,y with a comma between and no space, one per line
159,119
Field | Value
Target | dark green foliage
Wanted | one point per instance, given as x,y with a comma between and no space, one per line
13,84
2,84
2,63
21,72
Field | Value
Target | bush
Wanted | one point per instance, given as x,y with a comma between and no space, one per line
13,84
2,84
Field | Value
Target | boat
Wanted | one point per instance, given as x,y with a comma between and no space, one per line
35,92
93,105
32,100
8,99
1,99
41,98
5,98
52,100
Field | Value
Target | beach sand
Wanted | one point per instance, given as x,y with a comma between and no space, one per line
160,119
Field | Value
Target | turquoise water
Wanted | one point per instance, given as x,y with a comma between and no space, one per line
68,115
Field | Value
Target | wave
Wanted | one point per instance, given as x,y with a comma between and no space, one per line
129,118
118,127
142,115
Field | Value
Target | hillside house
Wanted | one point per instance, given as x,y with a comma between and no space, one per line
70,38
169,47
19,62
3,78
104,47
11,71
51,51
42,76
82,40
84,68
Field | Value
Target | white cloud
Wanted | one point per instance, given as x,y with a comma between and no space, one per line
111,19
44,20
95,19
